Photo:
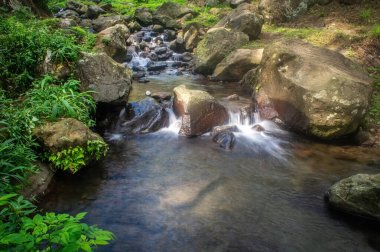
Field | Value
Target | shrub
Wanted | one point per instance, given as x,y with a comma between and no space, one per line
48,232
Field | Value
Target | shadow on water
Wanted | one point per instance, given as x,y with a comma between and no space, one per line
163,192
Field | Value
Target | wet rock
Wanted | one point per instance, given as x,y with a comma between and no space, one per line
94,11
173,10
77,7
358,195
37,184
160,50
186,57
233,97
169,35
199,110
258,128
246,114
138,75
67,14
216,44
243,19
104,22
134,26
147,38
109,80
165,56
112,41
147,116
178,45
226,139
218,129
193,33
158,28
162,96
153,56
237,63
156,66
143,80
313,90
143,16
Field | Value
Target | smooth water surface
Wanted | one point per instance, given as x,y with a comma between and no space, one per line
163,192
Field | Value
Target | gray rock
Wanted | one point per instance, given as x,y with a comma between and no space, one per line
94,11
237,63
143,16
216,44
104,22
178,45
109,80
358,195
226,139
243,19
312,90
78,7
173,10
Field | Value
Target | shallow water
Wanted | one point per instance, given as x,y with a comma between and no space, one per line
163,192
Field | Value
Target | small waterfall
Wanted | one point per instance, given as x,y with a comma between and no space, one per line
174,122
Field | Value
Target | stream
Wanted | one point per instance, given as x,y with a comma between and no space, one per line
163,192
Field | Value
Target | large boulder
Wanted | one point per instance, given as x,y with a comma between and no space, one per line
144,16
216,44
70,144
284,10
76,6
358,194
113,41
109,80
104,22
312,90
237,63
173,10
243,19
200,111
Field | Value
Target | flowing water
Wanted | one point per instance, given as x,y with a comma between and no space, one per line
163,192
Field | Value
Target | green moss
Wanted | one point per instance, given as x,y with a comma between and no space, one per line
74,158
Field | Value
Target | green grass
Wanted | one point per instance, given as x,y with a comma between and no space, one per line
366,15
375,31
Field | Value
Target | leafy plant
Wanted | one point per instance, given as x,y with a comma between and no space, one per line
74,158
49,101
48,232
375,31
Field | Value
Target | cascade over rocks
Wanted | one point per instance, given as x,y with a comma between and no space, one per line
109,80
237,63
113,42
312,90
358,195
200,111
216,44
243,19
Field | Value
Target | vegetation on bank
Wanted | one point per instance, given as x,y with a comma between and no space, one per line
28,100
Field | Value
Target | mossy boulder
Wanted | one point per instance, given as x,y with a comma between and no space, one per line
110,81
174,10
243,19
358,195
200,111
69,143
313,90
215,46
113,41
237,63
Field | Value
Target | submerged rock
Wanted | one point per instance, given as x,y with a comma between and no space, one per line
216,44
199,110
226,139
358,195
237,63
258,128
312,90
145,116
109,80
